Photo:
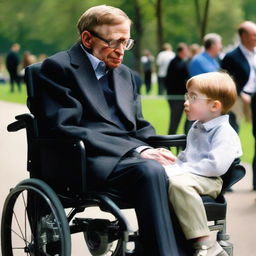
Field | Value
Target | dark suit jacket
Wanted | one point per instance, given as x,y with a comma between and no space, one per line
73,105
237,66
176,77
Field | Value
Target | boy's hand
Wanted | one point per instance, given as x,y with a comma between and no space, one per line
162,155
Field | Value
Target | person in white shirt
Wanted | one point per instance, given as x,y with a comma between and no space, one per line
162,61
212,146
241,65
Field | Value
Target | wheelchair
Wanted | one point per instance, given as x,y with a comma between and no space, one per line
40,213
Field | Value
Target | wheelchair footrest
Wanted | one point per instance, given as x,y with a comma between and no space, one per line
227,246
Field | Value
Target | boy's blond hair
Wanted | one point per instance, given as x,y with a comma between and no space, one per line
216,86
101,15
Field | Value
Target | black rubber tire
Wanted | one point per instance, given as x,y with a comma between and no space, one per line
40,228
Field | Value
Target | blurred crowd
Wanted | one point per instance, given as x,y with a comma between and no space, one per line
12,67
170,69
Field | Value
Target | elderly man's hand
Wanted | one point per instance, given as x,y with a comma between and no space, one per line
162,155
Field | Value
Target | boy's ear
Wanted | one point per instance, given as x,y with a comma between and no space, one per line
216,106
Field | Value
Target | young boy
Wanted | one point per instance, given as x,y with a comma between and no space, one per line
212,145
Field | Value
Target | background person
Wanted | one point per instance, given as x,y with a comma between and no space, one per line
162,62
240,64
12,63
175,83
147,64
27,60
88,94
198,169
206,61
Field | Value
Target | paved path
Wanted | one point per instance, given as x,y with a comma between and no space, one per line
241,203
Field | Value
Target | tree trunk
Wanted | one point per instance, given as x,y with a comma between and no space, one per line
159,35
139,31
205,19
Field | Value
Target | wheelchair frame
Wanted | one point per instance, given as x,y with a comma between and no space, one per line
50,226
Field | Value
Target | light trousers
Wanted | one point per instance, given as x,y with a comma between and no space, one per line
184,193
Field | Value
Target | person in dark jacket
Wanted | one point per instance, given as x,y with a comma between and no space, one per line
175,82
240,64
12,63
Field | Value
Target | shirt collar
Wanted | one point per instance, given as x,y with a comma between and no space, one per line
98,65
212,123
246,52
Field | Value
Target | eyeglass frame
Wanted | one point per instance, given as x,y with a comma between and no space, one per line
193,98
119,41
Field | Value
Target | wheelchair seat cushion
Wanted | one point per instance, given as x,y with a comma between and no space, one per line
215,208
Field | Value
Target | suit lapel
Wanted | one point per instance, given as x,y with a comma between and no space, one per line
93,92
244,61
124,94
87,81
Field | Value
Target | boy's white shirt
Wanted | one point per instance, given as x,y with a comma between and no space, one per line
205,157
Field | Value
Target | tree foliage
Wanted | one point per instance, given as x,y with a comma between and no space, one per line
47,26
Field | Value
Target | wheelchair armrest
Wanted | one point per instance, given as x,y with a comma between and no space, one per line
22,122
59,162
235,173
178,140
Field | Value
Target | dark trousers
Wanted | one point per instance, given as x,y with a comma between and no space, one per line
14,78
176,111
161,85
147,80
253,107
143,182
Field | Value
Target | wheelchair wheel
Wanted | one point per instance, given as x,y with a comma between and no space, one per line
34,222
98,244
103,237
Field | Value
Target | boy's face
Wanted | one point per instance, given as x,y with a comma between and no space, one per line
199,107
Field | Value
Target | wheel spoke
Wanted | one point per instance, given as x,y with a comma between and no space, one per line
17,222
21,237
26,230
25,215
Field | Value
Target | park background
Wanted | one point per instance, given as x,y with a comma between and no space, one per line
48,26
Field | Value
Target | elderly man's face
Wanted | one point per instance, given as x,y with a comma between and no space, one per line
100,49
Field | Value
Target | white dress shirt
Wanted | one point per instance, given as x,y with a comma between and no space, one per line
211,148
250,86
162,61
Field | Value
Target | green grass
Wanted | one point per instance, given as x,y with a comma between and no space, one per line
156,111
16,97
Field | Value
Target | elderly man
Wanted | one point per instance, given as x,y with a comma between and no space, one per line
88,94
241,64
207,61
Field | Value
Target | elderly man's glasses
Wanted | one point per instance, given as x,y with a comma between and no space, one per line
192,98
127,43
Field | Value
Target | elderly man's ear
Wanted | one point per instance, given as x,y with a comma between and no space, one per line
86,39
